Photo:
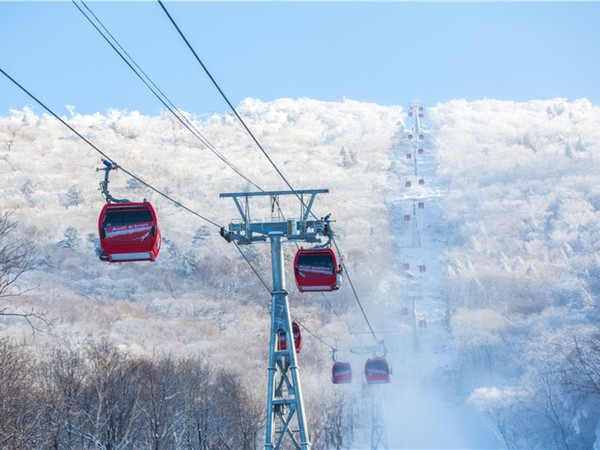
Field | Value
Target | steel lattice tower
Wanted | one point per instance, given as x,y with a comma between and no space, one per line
378,434
285,406
416,234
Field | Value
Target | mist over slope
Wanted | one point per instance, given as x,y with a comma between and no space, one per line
522,263
518,201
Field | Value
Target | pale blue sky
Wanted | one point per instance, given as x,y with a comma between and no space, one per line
388,52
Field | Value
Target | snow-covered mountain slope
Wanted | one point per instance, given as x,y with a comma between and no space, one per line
521,263
508,236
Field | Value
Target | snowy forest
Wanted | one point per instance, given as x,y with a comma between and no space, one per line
173,354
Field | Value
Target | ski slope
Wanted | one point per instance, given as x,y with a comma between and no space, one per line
422,408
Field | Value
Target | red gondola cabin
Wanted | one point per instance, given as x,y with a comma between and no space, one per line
316,270
377,370
282,342
128,232
341,373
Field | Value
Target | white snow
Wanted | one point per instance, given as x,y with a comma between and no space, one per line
501,264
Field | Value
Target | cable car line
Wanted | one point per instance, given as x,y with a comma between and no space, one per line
108,158
87,141
187,125
156,90
255,141
356,295
251,135
225,98
266,155
230,104
269,290
51,112
252,267
312,334
332,308
164,100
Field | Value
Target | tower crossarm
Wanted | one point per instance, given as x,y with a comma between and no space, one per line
246,230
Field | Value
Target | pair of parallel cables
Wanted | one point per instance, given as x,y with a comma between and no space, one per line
182,118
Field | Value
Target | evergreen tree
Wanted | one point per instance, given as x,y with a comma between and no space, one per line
73,197
70,238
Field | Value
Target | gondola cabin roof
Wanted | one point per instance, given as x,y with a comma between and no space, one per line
128,232
316,270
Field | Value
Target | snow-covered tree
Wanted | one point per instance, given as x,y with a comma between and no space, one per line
70,239
73,197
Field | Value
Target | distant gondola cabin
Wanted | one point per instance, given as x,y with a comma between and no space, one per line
377,370
282,341
341,373
128,232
